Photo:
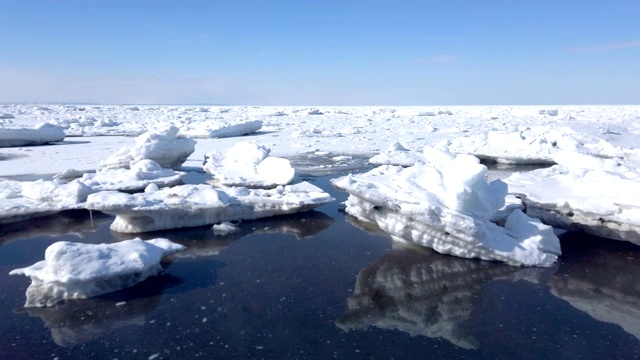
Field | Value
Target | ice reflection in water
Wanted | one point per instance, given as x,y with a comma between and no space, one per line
421,292
79,321
603,280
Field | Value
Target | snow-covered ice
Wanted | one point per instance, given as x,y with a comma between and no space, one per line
446,205
40,134
198,205
248,164
162,146
77,271
26,199
535,145
600,196
217,129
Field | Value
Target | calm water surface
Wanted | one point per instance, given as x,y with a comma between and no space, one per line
321,285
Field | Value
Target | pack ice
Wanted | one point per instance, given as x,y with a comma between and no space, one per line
77,271
198,205
446,204
27,199
40,134
583,192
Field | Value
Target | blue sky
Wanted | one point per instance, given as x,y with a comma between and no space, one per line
321,52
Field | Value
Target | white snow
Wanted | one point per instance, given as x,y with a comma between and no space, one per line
162,146
446,205
40,134
198,205
217,129
76,271
600,196
248,164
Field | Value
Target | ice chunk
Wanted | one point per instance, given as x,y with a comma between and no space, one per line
198,205
76,271
220,129
600,196
535,145
248,164
162,146
41,134
397,154
140,175
446,205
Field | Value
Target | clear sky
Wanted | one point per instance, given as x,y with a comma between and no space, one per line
321,52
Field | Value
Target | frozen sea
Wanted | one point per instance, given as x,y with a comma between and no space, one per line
318,284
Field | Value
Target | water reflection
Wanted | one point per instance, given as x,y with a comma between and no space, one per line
75,222
202,241
80,321
421,292
601,278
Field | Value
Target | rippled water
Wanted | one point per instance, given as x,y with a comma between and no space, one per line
320,285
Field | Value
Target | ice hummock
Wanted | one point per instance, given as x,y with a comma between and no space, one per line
27,199
41,134
198,205
600,196
162,146
248,164
220,129
446,204
77,271
535,145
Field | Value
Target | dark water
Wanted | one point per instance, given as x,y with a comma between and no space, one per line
320,285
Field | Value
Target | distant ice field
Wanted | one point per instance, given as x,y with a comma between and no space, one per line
94,132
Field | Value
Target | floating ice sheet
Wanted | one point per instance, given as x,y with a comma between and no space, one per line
27,199
198,205
77,271
600,196
535,145
40,134
210,129
447,206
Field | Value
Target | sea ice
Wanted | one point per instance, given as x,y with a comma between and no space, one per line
39,135
397,154
248,164
535,145
162,146
600,196
198,205
27,199
220,129
447,205
77,271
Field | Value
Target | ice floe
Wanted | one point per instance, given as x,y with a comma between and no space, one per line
219,129
198,205
600,196
77,271
535,145
162,146
26,199
39,135
248,164
447,205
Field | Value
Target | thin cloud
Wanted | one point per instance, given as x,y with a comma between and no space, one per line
439,59
606,47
